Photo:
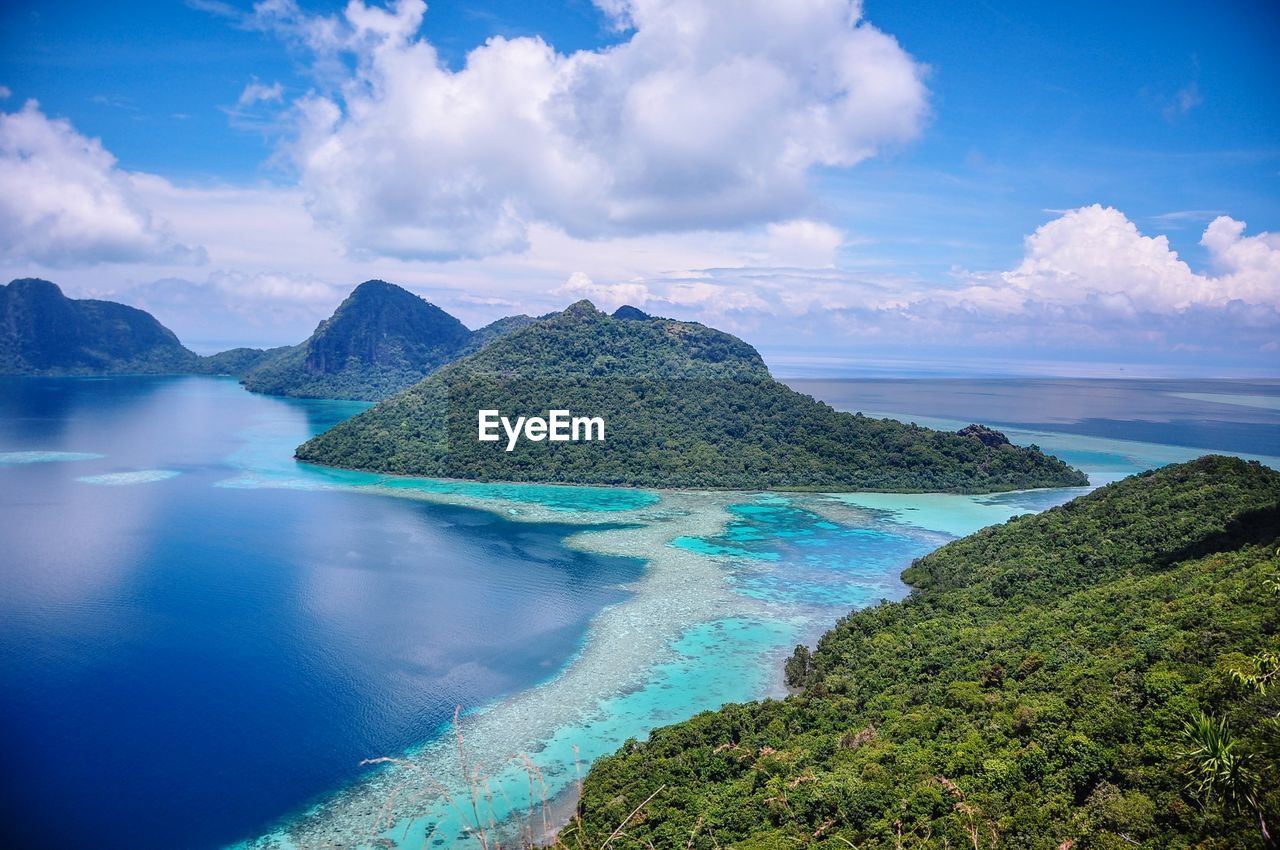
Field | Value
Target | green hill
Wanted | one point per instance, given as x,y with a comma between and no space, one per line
496,329
381,339
1060,681
43,332
235,361
684,405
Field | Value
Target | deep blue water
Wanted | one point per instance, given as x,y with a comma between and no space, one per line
182,663
198,636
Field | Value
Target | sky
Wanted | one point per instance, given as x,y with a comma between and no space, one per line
855,188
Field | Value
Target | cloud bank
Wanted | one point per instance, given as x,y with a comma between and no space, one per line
700,118
63,201
1089,281
1096,254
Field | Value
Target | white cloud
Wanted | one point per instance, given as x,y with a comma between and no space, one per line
233,307
803,243
279,288
1249,265
1089,281
1096,254
257,92
703,117
215,7
64,202
606,296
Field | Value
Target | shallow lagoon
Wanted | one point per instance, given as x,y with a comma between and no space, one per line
600,648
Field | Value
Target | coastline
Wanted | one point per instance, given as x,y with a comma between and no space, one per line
628,644
801,490
685,618
624,642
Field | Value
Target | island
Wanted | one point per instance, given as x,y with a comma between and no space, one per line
683,405
1098,675
380,340
43,332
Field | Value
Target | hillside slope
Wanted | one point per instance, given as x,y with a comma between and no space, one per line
684,405
43,332
1034,691
381,339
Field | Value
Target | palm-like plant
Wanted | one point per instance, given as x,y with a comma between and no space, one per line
1218,770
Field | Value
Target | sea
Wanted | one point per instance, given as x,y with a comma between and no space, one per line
206,644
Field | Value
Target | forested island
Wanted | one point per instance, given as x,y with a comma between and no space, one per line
685,405
381,339
1100,675
43,332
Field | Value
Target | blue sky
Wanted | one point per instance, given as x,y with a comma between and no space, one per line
850,188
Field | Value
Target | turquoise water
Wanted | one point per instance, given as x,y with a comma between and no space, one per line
709,664
779,552
181,592
45,457
137,476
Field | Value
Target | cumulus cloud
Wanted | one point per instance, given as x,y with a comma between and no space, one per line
606,296
802,243
1088,280
63,200
701,117
1096,254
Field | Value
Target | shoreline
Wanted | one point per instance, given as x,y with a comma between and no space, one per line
803,490
578,699
678,591
628,649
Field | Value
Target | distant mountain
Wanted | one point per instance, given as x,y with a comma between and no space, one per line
381,339
43,332
236,361
631,314
684,405
500,328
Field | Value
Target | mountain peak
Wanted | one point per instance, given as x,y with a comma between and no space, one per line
34,286
380,339
627,313
376,286
42,331
581,308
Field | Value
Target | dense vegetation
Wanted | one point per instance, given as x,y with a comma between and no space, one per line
481,337
684,406
43,332
235,361
1100,675
380,340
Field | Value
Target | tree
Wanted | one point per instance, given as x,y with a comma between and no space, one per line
1219,770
